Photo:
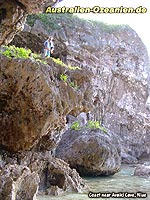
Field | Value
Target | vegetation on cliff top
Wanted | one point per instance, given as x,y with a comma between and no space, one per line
55,21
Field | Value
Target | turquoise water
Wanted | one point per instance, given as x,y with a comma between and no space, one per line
123,182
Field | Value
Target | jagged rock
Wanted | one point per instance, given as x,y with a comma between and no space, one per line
61,175
35,101
18,182
90,152
28,40
13,15
142,170
56,177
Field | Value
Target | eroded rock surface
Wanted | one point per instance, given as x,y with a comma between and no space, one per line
91,152
35,101
54,175
18,182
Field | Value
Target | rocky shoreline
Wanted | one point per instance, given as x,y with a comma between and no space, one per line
99,77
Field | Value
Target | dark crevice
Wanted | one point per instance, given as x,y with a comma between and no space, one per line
3,13
20,5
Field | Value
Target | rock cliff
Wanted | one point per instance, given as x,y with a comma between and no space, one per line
35,101
119,61
112,86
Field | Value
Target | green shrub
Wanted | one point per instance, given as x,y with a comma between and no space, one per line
59,62
76,126
73,85
93,124
64,77
22,53
16,52
31,19
90,125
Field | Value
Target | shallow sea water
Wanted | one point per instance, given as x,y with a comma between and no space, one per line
123,182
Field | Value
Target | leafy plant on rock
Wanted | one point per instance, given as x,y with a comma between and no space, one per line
64,77
90,125
76,126
16,52
21,53
95,125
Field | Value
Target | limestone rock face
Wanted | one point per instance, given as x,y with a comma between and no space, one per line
13,15
34,102
142,170
119,62
91,152
18,182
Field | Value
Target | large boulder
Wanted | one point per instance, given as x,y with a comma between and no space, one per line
90,151
18,182
34,102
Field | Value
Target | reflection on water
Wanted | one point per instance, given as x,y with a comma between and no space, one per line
124,181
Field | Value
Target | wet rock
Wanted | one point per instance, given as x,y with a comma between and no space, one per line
35,101
142,170
18,182
90,152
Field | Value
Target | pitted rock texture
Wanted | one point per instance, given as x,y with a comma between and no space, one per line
13,15
90,152
34,102
18,182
